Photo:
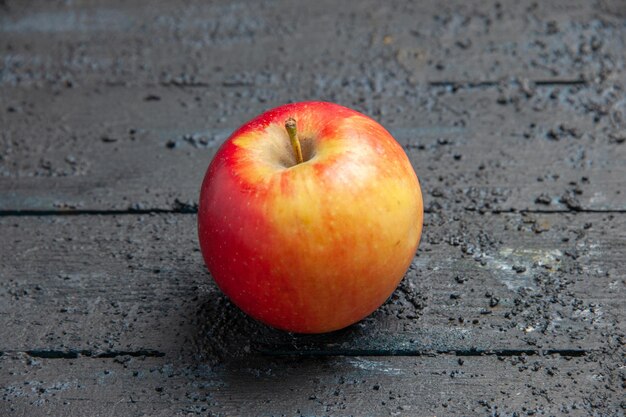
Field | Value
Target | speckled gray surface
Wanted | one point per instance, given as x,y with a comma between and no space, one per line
512,113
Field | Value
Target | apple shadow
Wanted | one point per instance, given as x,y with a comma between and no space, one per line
294,373
223,332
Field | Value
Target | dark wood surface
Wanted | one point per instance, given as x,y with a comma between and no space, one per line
513,114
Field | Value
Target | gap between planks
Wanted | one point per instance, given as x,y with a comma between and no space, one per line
150,353
459,85
194,210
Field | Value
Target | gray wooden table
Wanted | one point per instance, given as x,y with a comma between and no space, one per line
513,114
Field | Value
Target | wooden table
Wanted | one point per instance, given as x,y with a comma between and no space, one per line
513,114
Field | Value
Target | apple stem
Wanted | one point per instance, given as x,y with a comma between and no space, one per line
290,125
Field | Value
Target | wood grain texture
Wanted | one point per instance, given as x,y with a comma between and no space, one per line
85,285
512,113
488,149
341,386
324,43
504,106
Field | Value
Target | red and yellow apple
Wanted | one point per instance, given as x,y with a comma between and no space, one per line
316,245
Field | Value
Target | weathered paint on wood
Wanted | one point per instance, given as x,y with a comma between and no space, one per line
506,106
343,386
118,106
325,43
112,150
100,284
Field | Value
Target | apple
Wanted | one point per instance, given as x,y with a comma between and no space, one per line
309,216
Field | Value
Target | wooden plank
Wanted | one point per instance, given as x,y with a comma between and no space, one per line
97,285
328,45
118,149
351,386
115,107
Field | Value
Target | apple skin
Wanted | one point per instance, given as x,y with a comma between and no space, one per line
317,246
